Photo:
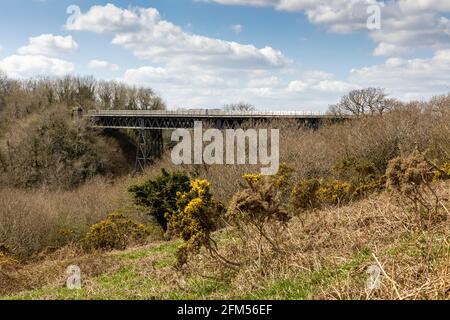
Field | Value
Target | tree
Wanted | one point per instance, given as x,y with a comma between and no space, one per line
240,106
159,195
363,102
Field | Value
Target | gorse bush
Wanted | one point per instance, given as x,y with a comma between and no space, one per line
195,220
159,195
411,177
115,232
364,189
334,192
315,193
259,216
443,172
304,194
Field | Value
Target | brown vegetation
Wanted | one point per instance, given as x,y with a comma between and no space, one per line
310,232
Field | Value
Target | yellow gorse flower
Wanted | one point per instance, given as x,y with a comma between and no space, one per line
200,187
193,206
252,178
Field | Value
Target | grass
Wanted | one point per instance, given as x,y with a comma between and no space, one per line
330,253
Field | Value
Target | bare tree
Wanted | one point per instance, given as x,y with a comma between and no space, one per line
368,101
240,106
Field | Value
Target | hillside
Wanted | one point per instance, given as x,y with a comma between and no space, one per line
329,253
367,194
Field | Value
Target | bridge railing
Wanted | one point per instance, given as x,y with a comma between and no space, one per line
205,113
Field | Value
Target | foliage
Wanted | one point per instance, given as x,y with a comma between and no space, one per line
366,188
304,194
443,172
334,192
7,262
356,169
258,214
195,220
41,145
411,177
315,193
115,232
159,195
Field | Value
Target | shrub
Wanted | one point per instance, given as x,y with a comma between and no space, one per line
159,195
356,169
115,232
195,220
366,188
443,172
334,192
304,194
7,262
258,215
412,178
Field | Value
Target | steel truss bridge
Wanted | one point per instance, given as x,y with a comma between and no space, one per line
150,124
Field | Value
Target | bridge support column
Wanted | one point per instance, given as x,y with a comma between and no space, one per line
149,147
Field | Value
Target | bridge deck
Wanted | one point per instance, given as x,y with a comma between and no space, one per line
149,119
208,113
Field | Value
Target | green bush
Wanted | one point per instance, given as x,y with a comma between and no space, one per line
159,196
115,232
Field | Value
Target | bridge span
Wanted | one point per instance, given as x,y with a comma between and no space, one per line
150,119
150,123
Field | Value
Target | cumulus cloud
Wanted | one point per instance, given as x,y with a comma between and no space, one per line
408,78
319,81
405,24
190,87
148,36
24,66
101,64
49,45
192,70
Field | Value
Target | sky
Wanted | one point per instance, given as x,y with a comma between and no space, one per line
275,54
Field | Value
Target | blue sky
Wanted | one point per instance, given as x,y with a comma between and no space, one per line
275,54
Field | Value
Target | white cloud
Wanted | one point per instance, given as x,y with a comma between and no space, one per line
101,64
191,70
49,45
24,66
149,37
405,24
237,28
408,79
189,87
319,81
